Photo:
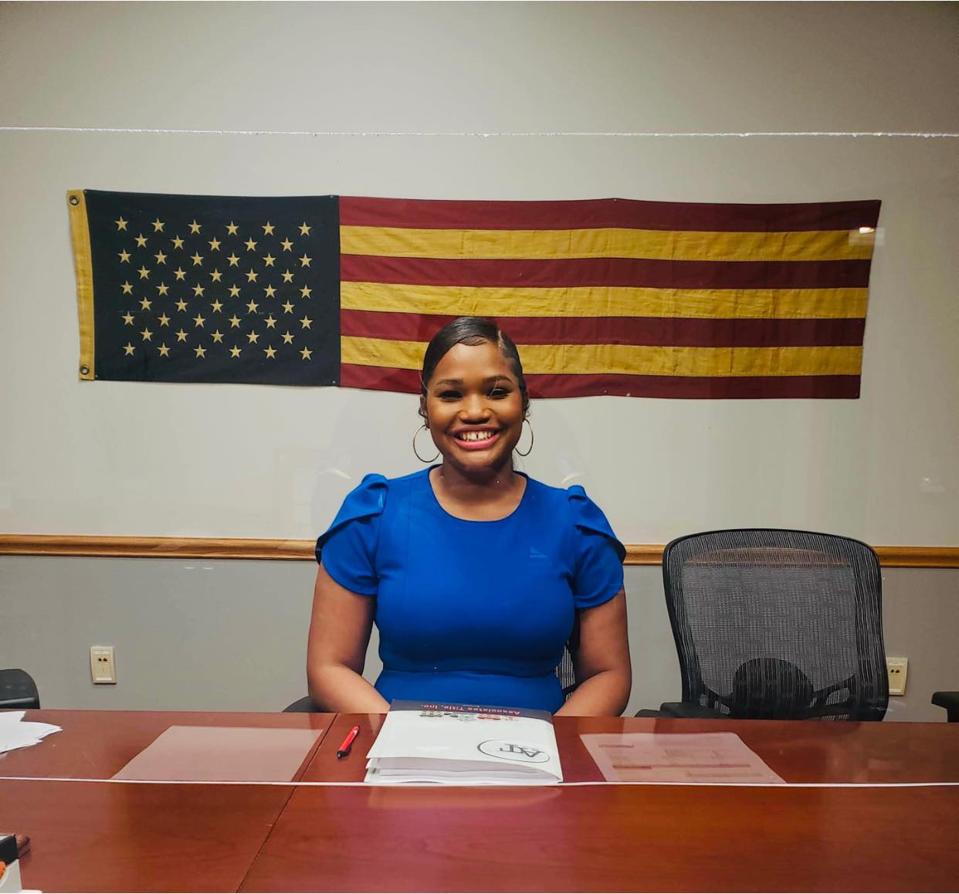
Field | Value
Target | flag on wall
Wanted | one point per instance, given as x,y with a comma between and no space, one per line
207,289
610,296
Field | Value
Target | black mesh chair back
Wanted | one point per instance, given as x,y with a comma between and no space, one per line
18,690
566,669
566,674
780,624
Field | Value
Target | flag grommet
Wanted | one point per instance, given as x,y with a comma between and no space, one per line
74,200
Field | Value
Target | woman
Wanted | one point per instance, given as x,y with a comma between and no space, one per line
473,573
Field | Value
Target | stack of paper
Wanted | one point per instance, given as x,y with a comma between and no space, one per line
15,732
464,745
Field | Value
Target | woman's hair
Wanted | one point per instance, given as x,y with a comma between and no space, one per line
472,331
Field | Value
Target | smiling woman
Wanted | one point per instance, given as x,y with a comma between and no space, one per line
475,575
474,403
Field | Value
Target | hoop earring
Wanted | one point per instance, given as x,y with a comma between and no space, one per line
532,438
420,458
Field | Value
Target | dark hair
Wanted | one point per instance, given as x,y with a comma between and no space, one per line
472,331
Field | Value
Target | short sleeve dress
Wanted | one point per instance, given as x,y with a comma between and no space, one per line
472,612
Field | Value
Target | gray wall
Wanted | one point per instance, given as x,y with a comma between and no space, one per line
88,87
226,82
231,634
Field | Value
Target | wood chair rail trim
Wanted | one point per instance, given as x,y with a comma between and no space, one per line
264,548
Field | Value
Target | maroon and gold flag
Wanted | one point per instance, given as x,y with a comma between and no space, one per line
648,299
608,296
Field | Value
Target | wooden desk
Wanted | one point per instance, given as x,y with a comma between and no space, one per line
633,838
137,836
89,836
96,744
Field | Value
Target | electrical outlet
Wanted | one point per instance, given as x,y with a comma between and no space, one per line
103,668
897,669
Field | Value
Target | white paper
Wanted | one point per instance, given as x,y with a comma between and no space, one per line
464,746
677,757
15,732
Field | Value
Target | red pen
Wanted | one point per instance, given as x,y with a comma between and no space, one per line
347,745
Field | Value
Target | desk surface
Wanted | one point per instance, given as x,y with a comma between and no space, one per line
89,836
215,837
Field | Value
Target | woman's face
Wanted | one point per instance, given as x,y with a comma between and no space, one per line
474,408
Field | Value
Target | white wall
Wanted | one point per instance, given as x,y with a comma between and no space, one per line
116,458
526,67
151,459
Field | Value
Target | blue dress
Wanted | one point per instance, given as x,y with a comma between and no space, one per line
472,612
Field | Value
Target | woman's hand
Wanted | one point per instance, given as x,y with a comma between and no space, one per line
603,671
340,629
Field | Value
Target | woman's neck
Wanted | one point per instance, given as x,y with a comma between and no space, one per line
480,485
490,496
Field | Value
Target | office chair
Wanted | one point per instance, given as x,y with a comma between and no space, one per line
566,670
776,624
949,701
17,690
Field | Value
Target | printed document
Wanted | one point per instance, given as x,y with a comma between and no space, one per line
677,757
464,745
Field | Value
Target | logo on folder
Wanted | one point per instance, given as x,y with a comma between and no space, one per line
513,751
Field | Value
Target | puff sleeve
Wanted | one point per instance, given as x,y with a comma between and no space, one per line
597,554
348,548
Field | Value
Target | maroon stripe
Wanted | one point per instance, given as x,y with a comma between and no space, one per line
442,214
619,330
394,325
693,388
608,272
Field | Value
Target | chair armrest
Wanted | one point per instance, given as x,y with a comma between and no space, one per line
682,709
949,701
303,705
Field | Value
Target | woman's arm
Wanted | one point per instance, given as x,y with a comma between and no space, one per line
603,670
339,634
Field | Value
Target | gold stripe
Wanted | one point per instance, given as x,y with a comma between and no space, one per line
614,242
384,352
237,548
649,360
83,262
605,301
